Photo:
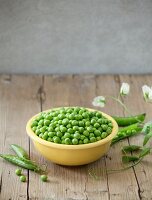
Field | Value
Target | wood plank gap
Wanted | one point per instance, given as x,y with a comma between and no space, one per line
139,190
96,93
39,96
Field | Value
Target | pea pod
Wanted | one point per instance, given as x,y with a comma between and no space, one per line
127,159
19,151
127,132
125,121
130,148
21,162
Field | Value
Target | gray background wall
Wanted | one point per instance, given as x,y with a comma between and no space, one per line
75,36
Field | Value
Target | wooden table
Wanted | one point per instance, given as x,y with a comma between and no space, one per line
23,96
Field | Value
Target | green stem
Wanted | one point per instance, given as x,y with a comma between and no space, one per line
121,103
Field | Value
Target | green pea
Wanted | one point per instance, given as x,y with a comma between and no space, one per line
91,135
38,132
86,141
50,139
86,133
35,123
87,123
75,128
104,135
18,172
34,128
98,115
74,141
92,139
80,142
75,123
81,123
96,125
56,139
104,127
69,126
67,135
93,121
59,134
98,138
65,122
41,122
70,130
77,135
67,141
63,129
44,178
23,178
81,129
97,133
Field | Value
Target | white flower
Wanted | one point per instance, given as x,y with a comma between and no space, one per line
147,92
99,101
125,88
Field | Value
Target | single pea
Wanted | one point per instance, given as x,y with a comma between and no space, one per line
81,112
62,141
71,116
69,110
50,139
81,123
75,128
67,141
82,137
100,120
86,133
56,139
81,129
104,135
92,139
23,178
97,133
80,142
45,136
39,126
46,122
100,129
41,122
74,141
38,132
18,172
85,115
49,117
93,121
65,122
59,134
34,128
96,125
109,130
67,135
87,123
99,115
86,141
90,129
63,129
91,135
98,138
50,129
77,135
75,123
41,135
57,129
43,129
110,125
44,178
70,130
104,127
35,123
69,126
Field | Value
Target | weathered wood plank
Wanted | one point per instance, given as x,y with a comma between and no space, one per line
69,182
137,105
121,185
17,103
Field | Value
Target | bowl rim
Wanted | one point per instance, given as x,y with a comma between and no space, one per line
34,137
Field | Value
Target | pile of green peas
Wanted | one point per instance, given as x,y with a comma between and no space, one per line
72,126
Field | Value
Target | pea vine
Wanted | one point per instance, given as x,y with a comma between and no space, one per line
132,125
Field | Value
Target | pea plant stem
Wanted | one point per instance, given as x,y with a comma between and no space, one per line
121,103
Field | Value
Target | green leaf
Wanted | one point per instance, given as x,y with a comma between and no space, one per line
147,138
145,152
147,127
127,159
130,148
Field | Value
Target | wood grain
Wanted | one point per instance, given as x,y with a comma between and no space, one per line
17,103
23,96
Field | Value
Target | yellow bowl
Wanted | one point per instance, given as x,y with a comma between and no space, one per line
72,154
